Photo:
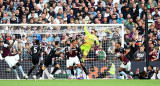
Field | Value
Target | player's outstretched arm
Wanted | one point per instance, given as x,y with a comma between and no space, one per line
86,31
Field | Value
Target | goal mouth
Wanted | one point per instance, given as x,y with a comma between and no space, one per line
101,66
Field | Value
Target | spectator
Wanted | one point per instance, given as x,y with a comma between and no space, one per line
107,13
129,54
60,12
140,55
101,8
58,7
119,20
130,24
101,53
92,12
157,23
126,11
154,54
135,12
48,38
71,15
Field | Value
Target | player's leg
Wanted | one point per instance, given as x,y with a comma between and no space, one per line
42,68
69,72
21,70
76,61
40,72
56,67
69,67
34,62
121,70
10,60
84,68
30,71
15,72
85,50
128,69
72,71
82,65
79,71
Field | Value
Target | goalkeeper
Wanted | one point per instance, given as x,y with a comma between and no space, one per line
89,41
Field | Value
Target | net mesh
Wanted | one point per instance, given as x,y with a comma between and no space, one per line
99,63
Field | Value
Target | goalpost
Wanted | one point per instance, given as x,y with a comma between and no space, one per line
99,63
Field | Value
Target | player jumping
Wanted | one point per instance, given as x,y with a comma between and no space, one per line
89,41
73,59
12,60
36,52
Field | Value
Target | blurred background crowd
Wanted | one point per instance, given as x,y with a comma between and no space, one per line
131,13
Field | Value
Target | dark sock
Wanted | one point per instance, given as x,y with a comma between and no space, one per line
30,71
39,72
84,69
72,71
55,69
40,75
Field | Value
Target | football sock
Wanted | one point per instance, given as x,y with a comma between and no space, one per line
39,72
21,69
30,71
84,69
78,72
15,72
123,73
72,71
69,73
40,75
55,69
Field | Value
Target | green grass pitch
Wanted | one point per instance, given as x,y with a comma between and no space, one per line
107,82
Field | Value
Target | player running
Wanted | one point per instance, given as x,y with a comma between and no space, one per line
12,59
36,53
50,60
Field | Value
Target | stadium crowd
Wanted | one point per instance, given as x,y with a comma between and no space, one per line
131,13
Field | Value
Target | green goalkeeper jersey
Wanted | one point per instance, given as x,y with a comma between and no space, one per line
90,38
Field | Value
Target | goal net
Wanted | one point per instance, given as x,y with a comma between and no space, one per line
99,63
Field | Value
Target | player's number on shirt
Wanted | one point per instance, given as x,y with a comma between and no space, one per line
35,49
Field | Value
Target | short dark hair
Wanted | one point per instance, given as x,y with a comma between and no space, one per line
57,42
119,43
73,40
151,66
37,42
94,30
66,41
